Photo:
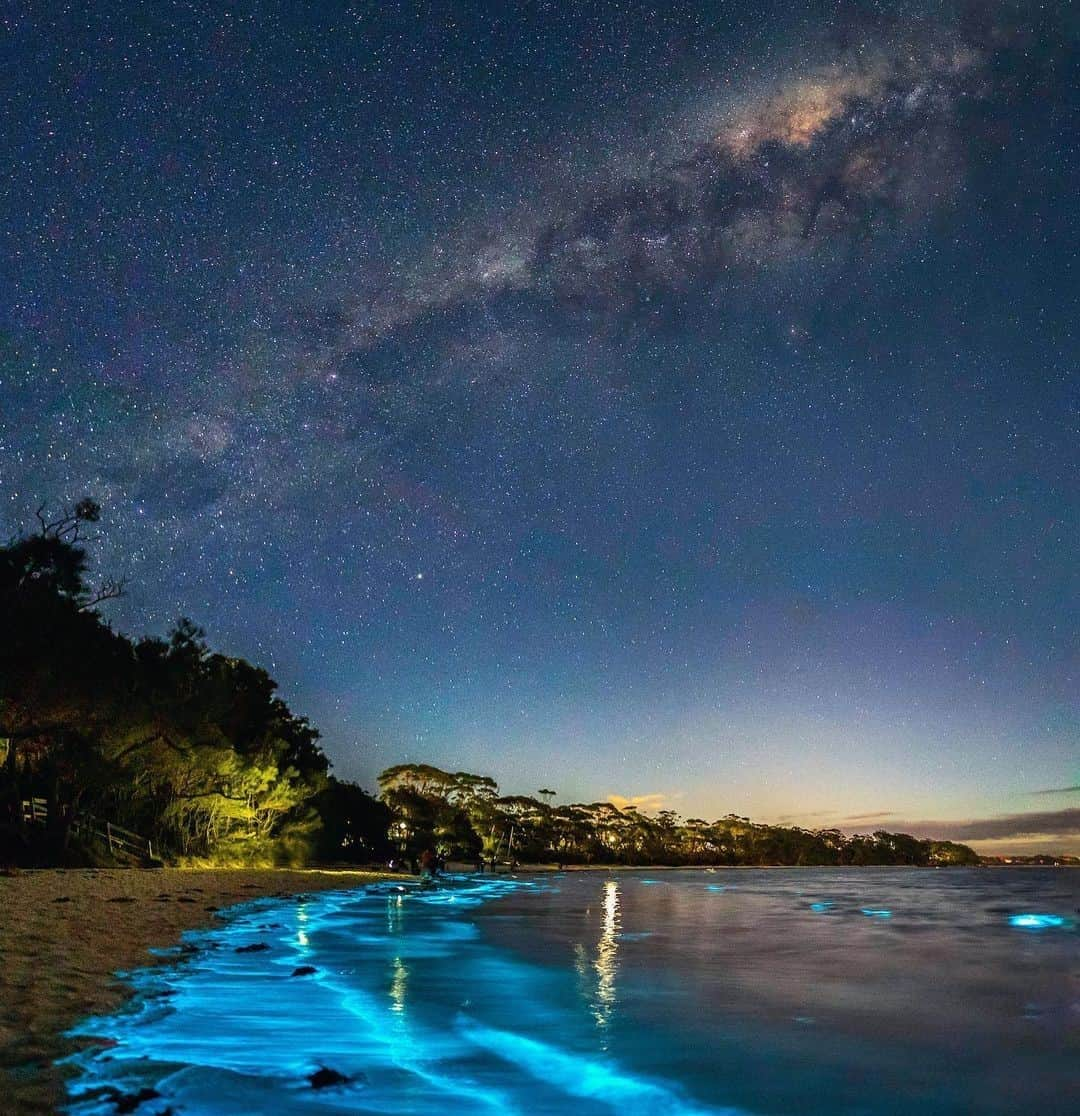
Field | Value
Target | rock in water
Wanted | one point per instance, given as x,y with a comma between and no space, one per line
324,1077
128,1102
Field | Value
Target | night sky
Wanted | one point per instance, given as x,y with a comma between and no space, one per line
675,402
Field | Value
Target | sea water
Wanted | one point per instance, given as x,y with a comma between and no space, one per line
797,991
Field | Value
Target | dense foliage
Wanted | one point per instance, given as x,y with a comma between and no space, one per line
463,816
191,749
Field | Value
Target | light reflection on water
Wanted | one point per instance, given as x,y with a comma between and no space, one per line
808,992
607,956
597,978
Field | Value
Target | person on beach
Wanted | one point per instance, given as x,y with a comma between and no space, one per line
429,866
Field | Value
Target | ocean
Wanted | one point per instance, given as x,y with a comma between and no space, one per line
846,992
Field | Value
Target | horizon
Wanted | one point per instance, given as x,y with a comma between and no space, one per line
681,419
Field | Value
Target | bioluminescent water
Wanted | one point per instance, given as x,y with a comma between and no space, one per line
866,992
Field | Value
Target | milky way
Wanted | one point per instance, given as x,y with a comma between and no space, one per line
669,402
839,154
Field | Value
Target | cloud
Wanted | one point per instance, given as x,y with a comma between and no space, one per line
1058,790
804,815
1053,823
647,803
867,817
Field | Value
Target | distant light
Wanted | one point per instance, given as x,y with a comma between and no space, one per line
714,887
876,912
1037,921
819,907
419,577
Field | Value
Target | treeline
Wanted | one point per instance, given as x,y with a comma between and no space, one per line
197,753
463,816
193,750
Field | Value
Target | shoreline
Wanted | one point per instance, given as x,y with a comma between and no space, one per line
66,932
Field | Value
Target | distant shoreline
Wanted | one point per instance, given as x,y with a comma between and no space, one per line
525,869
66,932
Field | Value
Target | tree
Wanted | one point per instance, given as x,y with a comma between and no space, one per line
63,674
193,748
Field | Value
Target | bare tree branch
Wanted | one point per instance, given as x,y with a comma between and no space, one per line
108,591
68,526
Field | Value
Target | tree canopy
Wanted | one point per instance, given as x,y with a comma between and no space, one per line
460,814
192,749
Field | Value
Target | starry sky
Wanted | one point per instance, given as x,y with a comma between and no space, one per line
675,402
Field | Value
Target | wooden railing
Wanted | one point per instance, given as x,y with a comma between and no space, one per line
121,843
35,811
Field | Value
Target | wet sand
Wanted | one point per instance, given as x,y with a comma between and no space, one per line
64,933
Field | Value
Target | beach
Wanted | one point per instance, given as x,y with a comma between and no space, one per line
64,933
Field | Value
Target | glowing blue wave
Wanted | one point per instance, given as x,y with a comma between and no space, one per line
584,1078
1039,922
404,1001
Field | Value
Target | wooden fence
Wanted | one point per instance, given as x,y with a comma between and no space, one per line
122,843
35,811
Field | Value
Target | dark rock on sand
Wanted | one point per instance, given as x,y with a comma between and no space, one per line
304,970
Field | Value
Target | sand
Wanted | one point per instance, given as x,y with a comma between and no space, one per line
65,933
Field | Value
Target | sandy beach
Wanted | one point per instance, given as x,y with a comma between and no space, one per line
65,933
